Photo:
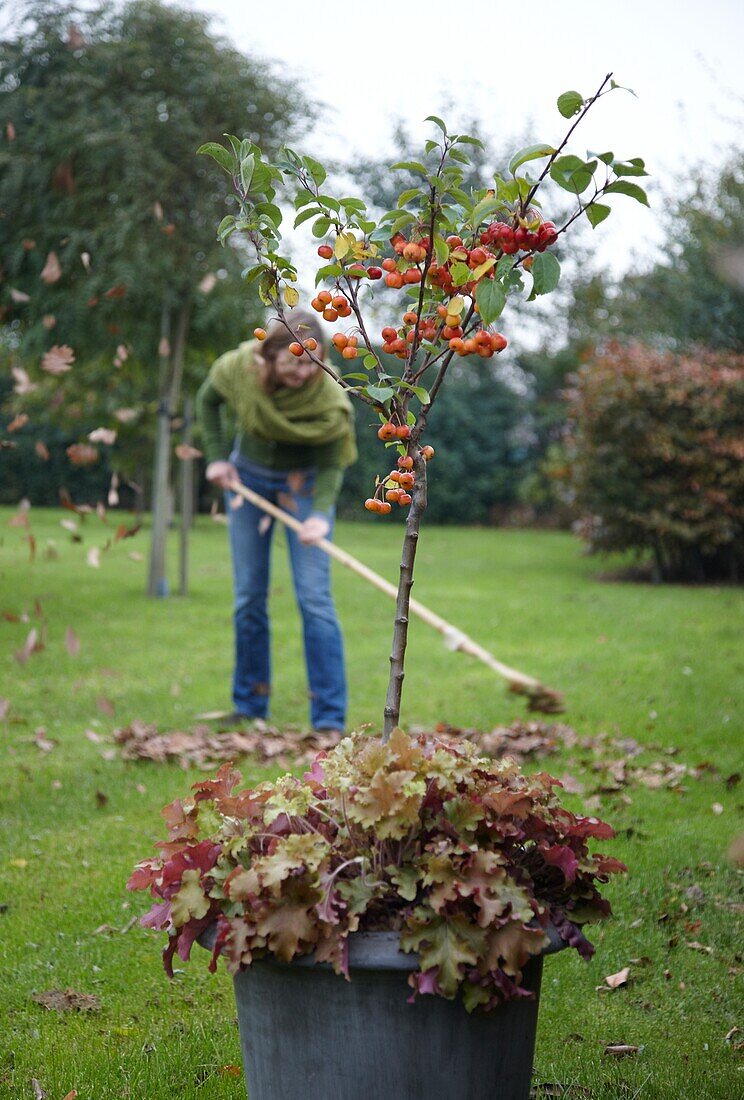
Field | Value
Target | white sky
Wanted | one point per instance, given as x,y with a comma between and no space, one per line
375,63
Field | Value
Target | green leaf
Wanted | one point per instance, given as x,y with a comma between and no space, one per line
606,158
633,167
482,208
465,139
491,299
224,158
330,271
460,273
370,361
353,204
596,212
409,166
441,250
247,165
420,392
406,196
546,272
572,173
438,121
321,227
570,103
530,152
622,87
316,170
304,215
379,393
624,187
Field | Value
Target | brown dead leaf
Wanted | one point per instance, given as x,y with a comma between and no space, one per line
67,1000
42,450
185,451
124,532
117,291
58,360
621,1050
46,744
230,1071
105,705
23,383
39,1093
72,642
82,454
52,270
71,1095
614,981
101,800
18,421
4,708
695,946
33,644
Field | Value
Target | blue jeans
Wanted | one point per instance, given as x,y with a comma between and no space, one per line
250,544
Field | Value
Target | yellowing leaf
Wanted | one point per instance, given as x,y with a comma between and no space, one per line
291,297
190,901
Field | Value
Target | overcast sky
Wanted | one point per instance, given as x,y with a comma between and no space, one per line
375,63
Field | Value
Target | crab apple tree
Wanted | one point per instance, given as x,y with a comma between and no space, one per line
448,258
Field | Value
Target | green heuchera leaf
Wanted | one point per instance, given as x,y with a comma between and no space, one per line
447,944
190,901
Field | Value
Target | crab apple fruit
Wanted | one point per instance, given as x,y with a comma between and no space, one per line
349,352
457,344
546,235
296,349
325,296
389,264
339,340
310,344
404,498
410,318
451,333
386,431
259,333
394,279
427,452
325,251
387,348
338,301
498,342
442,310
403,431
384,508
371,504
413,275
399,242
356,271
406,480
330,314
452,320
392,495
477,257
389,333
527,263
506,241
454,242
405,462
470,346
374,272
317,304
414,252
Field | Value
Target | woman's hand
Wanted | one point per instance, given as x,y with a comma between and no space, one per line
221,474
313,530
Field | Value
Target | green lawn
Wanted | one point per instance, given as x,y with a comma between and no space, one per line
662,665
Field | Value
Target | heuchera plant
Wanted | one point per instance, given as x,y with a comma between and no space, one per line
469,860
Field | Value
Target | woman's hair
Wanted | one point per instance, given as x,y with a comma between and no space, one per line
304,325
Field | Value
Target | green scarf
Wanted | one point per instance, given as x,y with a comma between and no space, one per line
314,413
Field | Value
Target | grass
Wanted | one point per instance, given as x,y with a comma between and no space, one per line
663,665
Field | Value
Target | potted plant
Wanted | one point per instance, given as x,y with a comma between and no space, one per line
418,869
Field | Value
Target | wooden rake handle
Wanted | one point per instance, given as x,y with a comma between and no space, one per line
540,697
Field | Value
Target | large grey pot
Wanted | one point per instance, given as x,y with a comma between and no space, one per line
307,1034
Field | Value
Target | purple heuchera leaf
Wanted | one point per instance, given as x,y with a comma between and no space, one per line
559,855
316,772
572,935
423,981
158,916
189,933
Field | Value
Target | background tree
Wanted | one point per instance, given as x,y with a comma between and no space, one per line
106,234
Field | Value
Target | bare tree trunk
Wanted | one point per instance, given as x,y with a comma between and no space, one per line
187,496
405,583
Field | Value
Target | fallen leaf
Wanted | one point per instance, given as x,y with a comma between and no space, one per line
67,1000
23,383
18,421
135,555
41,450
39,1093
185,451
101,800
695,946
52,270
124,532
31,645
4,708
621,1050
58,359
72,642
105,705
118,291
21,864
19,296
94,737
46,744
71,1095
93,557
614,981
717,808
103,435
230,1071
82,454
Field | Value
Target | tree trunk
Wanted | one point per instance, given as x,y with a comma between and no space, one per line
405,583
187,496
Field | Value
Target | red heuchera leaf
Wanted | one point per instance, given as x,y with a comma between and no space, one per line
563,857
